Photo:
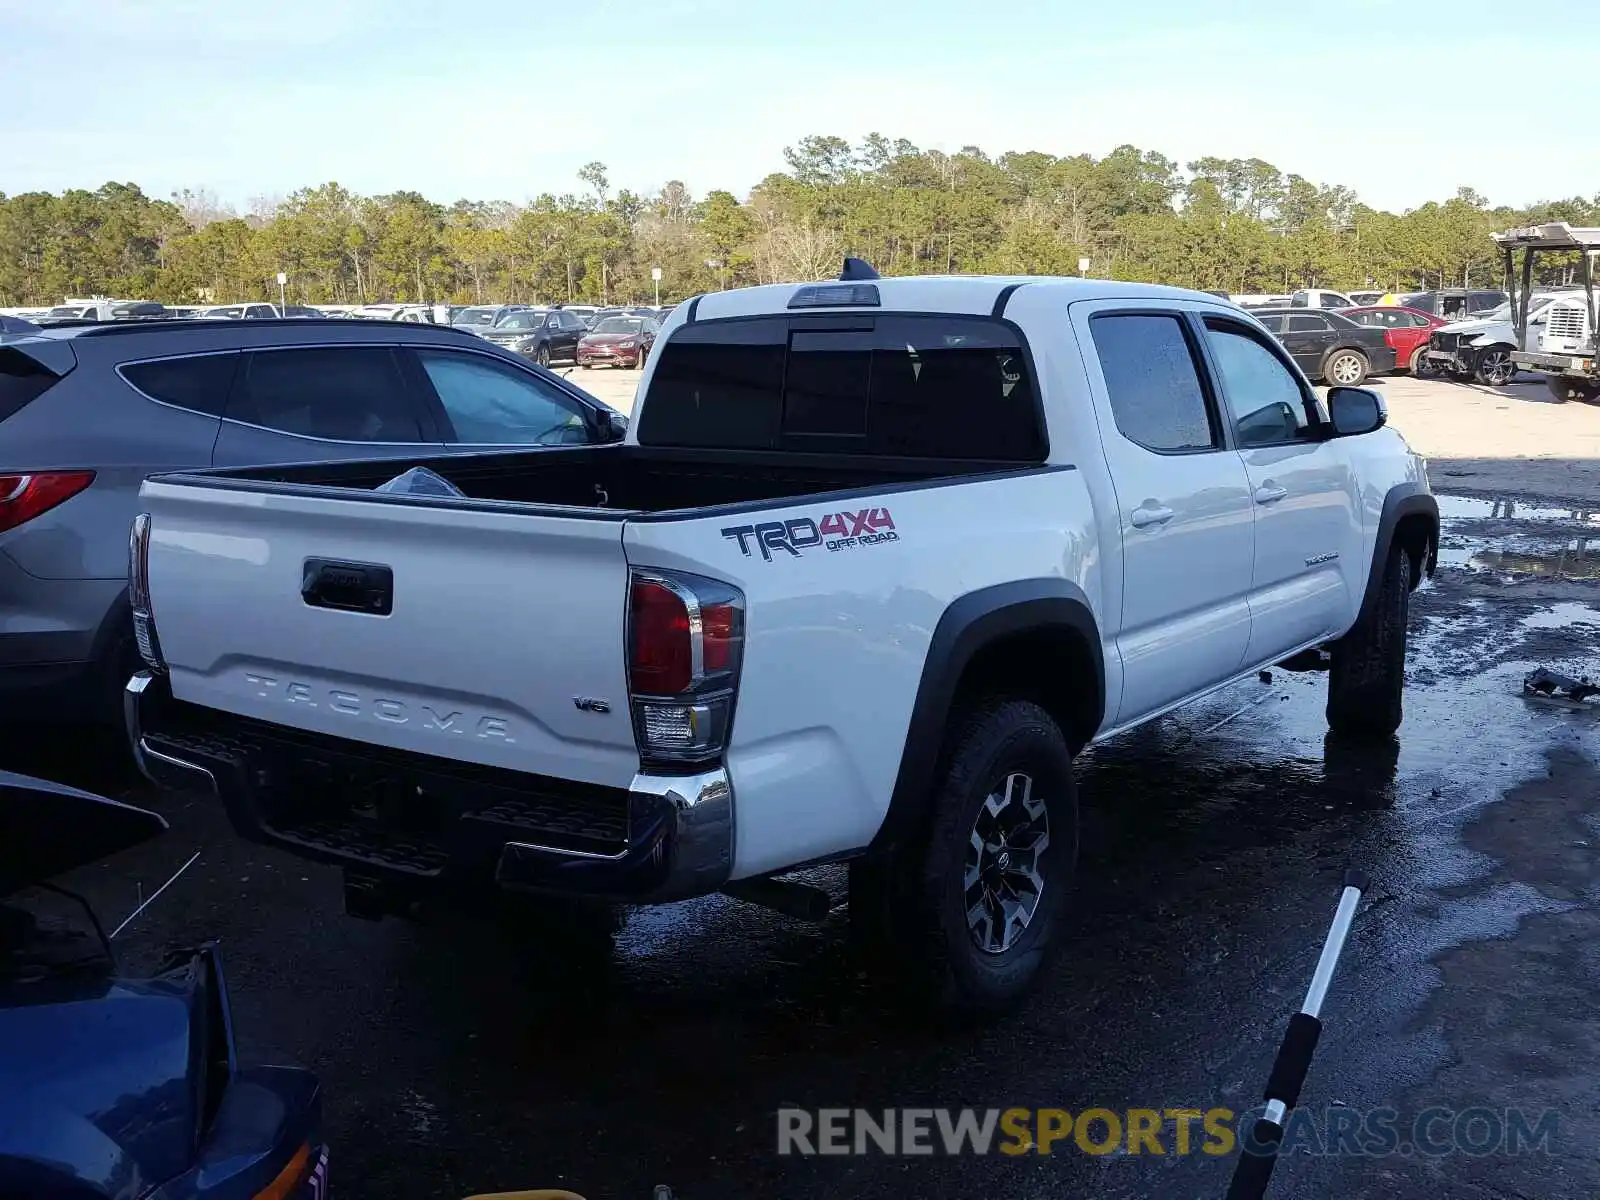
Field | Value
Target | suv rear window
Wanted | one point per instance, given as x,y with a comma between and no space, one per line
199,383
935,386
22,380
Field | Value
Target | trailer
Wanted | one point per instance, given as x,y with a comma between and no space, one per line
1564,350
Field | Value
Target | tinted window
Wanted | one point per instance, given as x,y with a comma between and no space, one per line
571,321
492,403
353,394
200,384
21,380
260,312
1273,321
1307,323
933,387
1485,301
1152,382
1264,397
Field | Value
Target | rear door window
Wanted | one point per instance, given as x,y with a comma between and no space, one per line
346,394
936,386
1306,323
199,383
1153,383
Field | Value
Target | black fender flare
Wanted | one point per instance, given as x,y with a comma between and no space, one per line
969,624
1402,500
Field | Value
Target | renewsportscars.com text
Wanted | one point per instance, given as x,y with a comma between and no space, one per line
1378,1132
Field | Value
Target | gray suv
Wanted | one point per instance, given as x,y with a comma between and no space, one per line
87,412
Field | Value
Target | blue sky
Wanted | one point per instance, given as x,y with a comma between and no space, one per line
503,99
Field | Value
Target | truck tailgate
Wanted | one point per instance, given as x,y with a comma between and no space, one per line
499,622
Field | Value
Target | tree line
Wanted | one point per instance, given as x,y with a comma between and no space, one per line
1237,225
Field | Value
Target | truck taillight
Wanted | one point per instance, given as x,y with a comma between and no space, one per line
685,645
144,617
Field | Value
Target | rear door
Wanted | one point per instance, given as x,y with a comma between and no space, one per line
305,404
1303,492
448,628
1307,337
1183,503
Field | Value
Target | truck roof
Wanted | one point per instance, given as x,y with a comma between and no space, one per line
979,294
1556,235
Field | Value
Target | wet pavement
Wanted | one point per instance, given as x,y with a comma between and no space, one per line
456,1059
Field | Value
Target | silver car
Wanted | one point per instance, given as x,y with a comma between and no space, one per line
87,412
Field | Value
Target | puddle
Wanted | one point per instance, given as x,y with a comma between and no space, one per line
1562,616
1510,541
1473,508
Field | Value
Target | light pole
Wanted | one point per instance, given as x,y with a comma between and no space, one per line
655,275
282,303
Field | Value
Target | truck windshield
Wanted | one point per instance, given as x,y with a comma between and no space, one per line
926,386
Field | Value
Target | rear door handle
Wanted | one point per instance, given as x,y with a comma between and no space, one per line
1147,515
1267,493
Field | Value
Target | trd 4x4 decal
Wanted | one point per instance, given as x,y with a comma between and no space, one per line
836,531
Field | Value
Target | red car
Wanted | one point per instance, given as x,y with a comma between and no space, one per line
618,341
1405,329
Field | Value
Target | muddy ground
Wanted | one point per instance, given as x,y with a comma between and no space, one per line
1214,844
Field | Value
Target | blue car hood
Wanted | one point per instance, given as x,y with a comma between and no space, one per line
95,1079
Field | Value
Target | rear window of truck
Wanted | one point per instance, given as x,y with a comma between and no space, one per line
923,386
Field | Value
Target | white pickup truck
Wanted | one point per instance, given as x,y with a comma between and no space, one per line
876,559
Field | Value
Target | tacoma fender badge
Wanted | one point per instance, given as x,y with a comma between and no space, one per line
1322,558
591,704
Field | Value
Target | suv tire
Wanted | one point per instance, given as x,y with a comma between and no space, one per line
1366,677
990,884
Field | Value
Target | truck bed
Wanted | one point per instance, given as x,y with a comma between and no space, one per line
628,480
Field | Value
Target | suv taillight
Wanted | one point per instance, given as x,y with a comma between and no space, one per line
144,617
24,497
685,645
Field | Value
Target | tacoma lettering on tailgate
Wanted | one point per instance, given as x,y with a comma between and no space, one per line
440,718
835,531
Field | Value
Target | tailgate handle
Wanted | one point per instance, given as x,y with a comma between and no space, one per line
350,586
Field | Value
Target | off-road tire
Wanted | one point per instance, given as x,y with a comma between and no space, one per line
1368,670
1360,373
991,741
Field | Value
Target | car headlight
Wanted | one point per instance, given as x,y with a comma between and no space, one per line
627,345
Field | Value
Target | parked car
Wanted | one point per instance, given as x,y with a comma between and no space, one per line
876,561
584,312
86,412
618,342
1405,329
483,316
1481,349
1328,346
1365,299
121,1087
104,310
1319,298
292,311
1454,304
545,336
239,312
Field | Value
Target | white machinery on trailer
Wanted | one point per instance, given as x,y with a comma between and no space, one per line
1565,350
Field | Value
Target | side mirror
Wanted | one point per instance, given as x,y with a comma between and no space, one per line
613,426
1355,411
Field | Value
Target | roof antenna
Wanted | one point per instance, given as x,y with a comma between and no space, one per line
858,268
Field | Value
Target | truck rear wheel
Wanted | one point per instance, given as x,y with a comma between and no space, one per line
1564,388
1367,674
992,879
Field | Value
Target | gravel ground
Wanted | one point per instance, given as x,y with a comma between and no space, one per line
1513,440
